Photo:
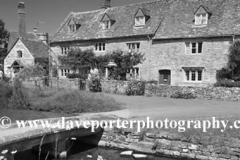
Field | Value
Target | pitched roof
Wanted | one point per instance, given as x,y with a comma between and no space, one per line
37,48
168,19
13,37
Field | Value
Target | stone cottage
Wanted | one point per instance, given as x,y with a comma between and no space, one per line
185,42
24,48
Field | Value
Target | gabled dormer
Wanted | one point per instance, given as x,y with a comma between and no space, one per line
202,16
74,24
107,21
141,17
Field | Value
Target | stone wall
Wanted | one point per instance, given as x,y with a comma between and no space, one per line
173,55
54,82
169,144
115,87
210,93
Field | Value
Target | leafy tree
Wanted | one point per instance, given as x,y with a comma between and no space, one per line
4,35
232,71
78,60
124,60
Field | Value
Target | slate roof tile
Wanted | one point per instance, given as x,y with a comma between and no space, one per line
37,48
175,17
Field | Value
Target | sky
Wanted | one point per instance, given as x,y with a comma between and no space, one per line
50,13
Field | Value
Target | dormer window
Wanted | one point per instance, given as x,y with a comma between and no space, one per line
107,21
141,17
73,25
201,19
201,16
106,24
140,21
72,28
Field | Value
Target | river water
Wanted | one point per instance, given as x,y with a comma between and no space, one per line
88,152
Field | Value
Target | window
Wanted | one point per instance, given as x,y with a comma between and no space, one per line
19,54
193,75
106,24
201,19
133,47
64,72
72,28
194,47
65,50
140,21
100,47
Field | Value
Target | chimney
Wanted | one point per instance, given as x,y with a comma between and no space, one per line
43,37
105,4
35,30
22,22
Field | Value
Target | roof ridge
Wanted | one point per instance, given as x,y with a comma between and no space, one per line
97,10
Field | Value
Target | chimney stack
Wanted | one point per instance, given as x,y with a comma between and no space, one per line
35,30
43,37
105,4
22,22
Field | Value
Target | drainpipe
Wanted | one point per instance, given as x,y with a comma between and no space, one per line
149,39
233,38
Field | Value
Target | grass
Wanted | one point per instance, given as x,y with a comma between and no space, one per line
21,103
71,101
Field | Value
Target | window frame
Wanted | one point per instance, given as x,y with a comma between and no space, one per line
138,22
106,24
19,54
198,77
64,72
195,48
199,19
72,28
100,46
133,47
65,50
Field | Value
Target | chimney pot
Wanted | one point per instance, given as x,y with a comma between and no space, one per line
35,30
105,4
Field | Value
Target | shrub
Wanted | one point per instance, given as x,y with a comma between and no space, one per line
6,92
135,88
183,95
227,83
20,96
94,83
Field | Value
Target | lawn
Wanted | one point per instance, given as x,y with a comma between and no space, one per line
156,108
25,103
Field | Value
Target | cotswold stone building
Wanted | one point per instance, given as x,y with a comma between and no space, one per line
24,48
184,41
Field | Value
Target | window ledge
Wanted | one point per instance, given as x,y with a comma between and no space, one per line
99,51
200,25
137,27
193,81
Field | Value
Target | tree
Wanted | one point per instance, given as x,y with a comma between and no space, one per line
232,70
78,61
4,36
124,60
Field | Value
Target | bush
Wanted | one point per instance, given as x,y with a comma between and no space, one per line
135,88
94,83
6,92
20,98
183,95
227,83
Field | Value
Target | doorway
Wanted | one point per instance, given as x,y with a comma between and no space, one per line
165,77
